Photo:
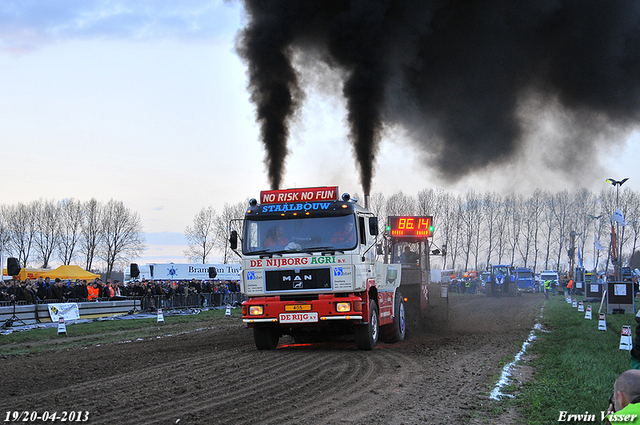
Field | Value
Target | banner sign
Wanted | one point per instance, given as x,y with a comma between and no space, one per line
195,271
310,194
68,311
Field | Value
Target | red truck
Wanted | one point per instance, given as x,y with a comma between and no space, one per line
309,268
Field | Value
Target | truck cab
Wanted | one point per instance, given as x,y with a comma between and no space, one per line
309,268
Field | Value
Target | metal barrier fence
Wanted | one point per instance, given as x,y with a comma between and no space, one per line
191,300
153,302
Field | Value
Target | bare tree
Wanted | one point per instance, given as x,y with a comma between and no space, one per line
445,227
560,207
377,206
123,239
584,207
21,221
533,208
229,220
91,231
502,230
469,212
4,230
490,210
201,235
47,221
70,229
633,220
548,227
513,207
400,204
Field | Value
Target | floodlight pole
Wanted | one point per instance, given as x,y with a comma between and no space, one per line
595,252
617,184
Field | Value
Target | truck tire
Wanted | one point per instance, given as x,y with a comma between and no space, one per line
395,332
366,335
265,337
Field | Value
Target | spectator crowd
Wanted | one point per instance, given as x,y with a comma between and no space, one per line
156,293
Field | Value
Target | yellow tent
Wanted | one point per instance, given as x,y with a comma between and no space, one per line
29,273
63,272
70,272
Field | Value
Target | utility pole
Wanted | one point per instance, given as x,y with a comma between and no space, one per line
617,184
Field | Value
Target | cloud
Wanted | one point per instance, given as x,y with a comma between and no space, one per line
27,25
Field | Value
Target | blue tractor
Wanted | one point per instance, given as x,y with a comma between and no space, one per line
502,281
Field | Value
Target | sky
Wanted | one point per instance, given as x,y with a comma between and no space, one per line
147,103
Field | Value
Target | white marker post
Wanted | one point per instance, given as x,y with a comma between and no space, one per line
626,343
602,323
62,328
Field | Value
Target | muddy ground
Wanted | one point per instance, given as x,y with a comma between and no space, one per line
441,373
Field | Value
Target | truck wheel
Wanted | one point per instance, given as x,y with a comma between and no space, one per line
265,337
367,335
394,332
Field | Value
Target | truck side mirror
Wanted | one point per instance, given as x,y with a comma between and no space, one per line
373,226
233,239
379,250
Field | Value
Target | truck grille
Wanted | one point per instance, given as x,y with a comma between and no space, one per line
297,279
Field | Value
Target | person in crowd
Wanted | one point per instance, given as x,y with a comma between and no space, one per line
104,290
93,291
624,405
68,291
56,290
43,288
4,295
547,288
31,295
227,294
82,290
20,288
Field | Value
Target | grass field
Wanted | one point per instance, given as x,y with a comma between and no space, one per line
575,363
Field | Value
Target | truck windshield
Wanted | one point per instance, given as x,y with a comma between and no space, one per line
304,234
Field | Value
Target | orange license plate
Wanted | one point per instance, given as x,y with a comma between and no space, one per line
297,307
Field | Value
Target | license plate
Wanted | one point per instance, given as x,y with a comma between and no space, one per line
297,307
298,317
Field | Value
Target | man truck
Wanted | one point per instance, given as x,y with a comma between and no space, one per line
309,268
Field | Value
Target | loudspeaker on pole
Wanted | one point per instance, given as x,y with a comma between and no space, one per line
134,270
212,272
13,266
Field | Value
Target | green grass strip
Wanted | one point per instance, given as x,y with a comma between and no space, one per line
576,364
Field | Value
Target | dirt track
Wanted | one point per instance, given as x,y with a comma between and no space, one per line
216,376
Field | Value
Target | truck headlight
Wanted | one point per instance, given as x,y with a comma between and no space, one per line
256,310
343,307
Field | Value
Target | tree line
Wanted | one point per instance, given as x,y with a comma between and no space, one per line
480,229
71,231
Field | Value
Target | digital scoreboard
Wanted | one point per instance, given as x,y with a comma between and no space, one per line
410,226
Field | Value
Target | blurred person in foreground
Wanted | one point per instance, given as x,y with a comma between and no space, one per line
624,407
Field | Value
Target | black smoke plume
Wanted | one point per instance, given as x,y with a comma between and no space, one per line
455,74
